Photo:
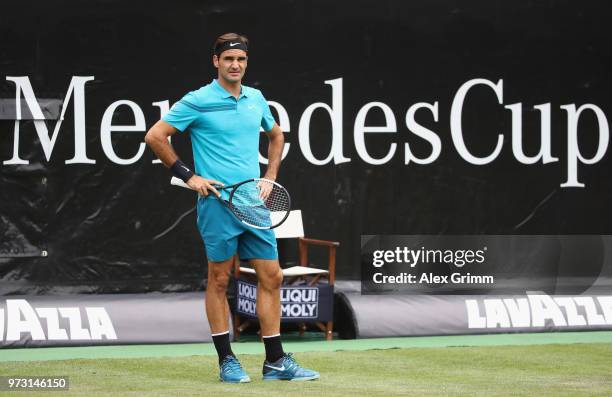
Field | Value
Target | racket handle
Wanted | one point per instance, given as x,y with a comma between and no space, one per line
179,182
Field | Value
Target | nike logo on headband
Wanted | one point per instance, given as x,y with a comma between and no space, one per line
233,44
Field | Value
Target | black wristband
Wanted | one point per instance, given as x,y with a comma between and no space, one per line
180,170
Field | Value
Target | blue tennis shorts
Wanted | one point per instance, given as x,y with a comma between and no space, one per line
224,234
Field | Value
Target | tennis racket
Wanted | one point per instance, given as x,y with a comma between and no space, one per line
250,204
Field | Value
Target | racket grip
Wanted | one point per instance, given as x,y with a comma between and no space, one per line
179,182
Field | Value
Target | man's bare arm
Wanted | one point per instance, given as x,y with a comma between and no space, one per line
157,139
275,150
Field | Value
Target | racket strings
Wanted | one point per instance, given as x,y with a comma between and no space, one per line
278,199
260,203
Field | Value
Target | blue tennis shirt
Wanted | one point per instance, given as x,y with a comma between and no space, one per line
224,130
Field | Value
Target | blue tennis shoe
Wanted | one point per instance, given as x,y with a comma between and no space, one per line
232,372
286,368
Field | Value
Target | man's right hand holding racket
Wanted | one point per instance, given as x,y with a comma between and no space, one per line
204,186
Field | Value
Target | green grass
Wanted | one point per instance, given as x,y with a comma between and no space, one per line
537,370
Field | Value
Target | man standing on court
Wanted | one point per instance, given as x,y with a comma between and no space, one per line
224,119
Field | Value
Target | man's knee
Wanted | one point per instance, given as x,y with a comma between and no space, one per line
218,278
271,279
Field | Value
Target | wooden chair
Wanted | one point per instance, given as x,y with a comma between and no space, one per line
293,228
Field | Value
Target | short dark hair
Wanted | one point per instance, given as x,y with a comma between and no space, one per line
230,37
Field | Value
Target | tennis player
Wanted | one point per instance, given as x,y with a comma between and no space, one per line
224,119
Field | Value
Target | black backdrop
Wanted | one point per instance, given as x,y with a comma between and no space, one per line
97,223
